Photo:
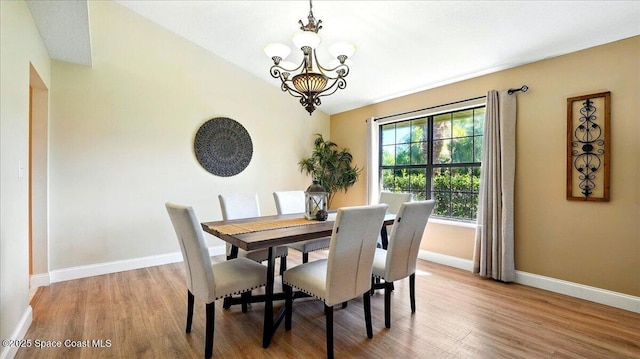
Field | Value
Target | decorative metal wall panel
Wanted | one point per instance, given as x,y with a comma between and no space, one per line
588,147
223,147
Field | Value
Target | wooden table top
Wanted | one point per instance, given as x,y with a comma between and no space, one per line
275,237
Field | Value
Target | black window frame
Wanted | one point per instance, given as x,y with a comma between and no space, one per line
469,206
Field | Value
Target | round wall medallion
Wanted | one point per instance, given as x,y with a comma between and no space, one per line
223,147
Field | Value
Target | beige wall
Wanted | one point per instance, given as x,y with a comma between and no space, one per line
38,169
122,139
596,244
21,47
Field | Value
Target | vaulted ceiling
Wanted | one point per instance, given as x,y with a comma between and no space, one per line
402,46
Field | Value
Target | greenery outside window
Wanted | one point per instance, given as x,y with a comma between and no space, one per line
437,156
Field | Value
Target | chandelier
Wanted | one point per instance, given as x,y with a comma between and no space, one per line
309,81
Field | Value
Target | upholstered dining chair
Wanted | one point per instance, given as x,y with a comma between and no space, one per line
345,274
398,261
207,281
246,205
288,202
394,200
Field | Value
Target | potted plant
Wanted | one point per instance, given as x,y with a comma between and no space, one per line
330,166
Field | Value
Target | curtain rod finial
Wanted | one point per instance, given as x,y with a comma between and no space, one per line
524,88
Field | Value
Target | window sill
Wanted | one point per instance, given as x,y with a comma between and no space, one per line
447,222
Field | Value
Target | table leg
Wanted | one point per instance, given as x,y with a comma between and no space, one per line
384,237
385,243
267,331
234,252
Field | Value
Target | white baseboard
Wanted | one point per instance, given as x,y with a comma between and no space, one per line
9,352
39,280
450,261
593,294
61,275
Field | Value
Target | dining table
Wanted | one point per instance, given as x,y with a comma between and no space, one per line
268,232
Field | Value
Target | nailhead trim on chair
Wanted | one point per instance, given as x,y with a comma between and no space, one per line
240,292
304,291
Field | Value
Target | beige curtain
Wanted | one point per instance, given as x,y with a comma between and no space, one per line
493,251
373,184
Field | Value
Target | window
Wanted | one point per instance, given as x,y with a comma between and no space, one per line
436,156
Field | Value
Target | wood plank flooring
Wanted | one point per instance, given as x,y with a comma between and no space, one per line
141,314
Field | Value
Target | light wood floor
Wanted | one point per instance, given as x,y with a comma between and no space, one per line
142,313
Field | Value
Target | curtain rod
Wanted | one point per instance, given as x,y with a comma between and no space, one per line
524,88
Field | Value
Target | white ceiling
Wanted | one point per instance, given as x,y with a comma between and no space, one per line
402,46
64,29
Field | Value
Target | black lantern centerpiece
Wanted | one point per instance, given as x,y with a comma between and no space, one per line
315,198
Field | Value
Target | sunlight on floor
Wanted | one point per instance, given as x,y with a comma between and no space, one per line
421,272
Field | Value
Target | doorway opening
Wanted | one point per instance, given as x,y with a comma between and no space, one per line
38,182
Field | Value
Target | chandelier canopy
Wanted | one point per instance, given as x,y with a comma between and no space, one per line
309,81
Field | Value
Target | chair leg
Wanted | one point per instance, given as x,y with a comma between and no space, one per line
246,299
305,257
283,264
288,306
412,292
367,314
208,341
388,287
190,300
328,314
344,304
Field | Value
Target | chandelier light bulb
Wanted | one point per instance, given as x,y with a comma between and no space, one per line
342,48
277,50
306,38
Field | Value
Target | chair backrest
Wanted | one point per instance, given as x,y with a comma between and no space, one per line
239,205
394,200
288,202
351,252
404,241
200,280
